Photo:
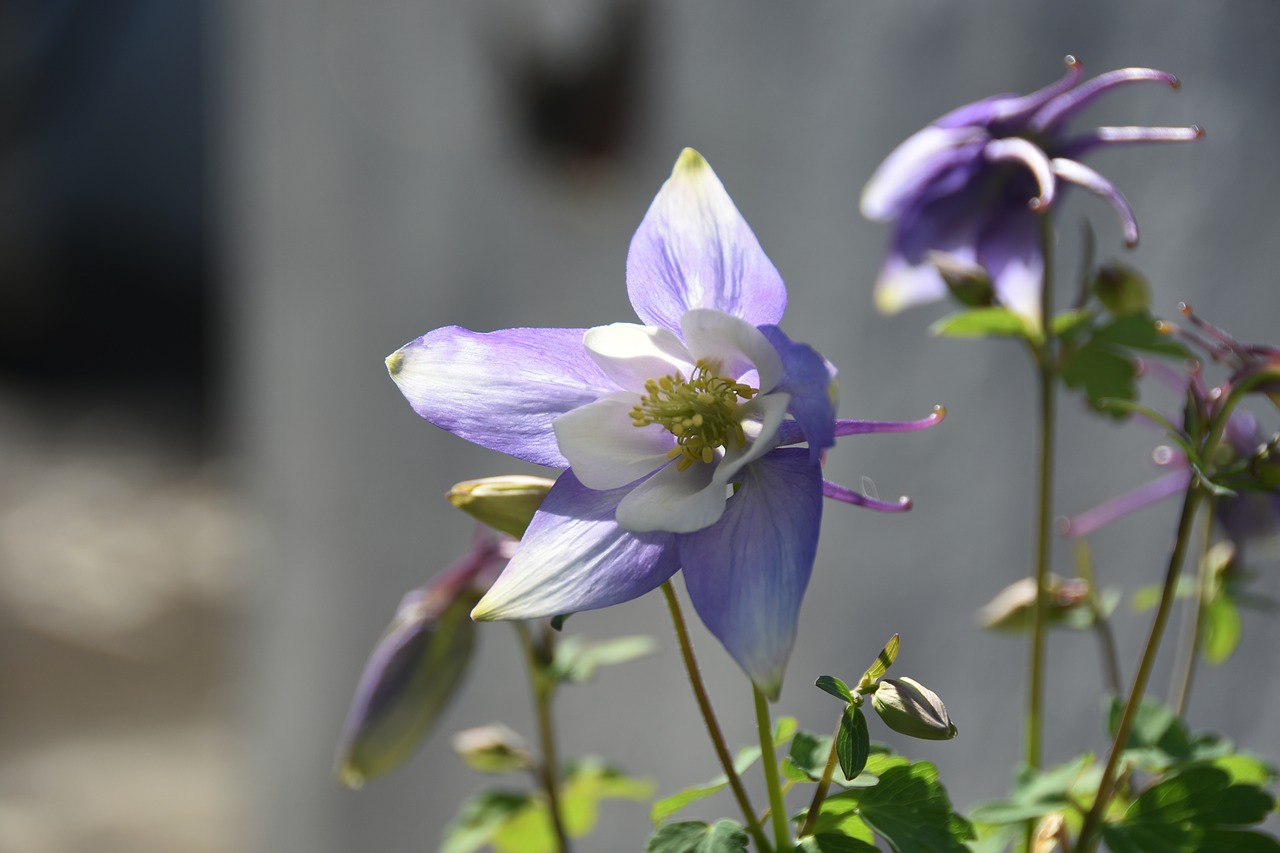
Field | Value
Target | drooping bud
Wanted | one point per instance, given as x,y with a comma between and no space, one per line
492,749
1051,834
911,709
417,666
1122,289
968,283
506,503
1013,606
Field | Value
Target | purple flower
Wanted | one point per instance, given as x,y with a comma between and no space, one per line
417,665
677,434
965,191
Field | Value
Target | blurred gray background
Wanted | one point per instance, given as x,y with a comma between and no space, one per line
215,496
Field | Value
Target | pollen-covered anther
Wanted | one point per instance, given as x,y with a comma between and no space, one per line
702,412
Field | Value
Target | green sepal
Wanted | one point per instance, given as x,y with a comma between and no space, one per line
879,666
834,686
694,836
853,742
576,660
994,322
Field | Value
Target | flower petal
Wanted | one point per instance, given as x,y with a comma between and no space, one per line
501,389
694,250
735,344
747,574
948,226
675,501
810,380
1121,505
605,448
574,557
916,163
630,354
762,419
1010,252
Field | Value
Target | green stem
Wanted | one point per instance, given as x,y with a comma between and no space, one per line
1194,631
1101,625
1185,523
1048,388
769,756
709,717
543,689
824,784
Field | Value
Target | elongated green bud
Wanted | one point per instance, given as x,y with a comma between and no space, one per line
910,708
505,503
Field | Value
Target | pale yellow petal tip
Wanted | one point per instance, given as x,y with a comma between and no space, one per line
395,361
689,163
351,777
887,299
484,611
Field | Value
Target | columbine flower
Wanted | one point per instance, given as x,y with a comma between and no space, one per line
963,193
417,665
1255,364
676,433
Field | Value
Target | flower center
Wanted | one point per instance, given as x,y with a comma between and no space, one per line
701,412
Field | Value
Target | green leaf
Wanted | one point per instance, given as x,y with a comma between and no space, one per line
1071,322
831,843
1246,769
834,686
879,666
1103,374
1138,331
668,806
1221,629
984,323
808,757
577,660
853,743
1036,793
694,836
587,783
909,808
479,820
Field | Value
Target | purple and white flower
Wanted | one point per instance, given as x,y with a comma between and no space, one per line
964,192
677,434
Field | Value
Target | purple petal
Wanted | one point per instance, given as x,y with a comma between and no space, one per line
916,164
948,226
1000,110
808,378
1077,146
1105,513
747,573
1064,106
694,250
1010,252
501,389
1082,175
837,492
574,557
844,427
1028,154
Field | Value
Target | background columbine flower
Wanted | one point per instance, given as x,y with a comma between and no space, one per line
964,192
655,422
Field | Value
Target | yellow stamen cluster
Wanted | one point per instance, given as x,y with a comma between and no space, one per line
701,412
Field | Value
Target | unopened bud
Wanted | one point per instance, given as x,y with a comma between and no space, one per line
492,749
1122,289
504,503
969,283
1013,607
910,708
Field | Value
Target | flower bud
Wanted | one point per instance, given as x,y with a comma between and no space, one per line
910,708
492,749
504,503
1122,289
968,283
1013,606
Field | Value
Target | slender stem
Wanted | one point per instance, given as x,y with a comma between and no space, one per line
1101,623
1048,377
769,756
543,689
823,785
709,717
1194,631
1185,523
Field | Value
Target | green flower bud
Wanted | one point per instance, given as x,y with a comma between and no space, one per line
492,749
910,708
968,283
504,503
1122,289
1013,606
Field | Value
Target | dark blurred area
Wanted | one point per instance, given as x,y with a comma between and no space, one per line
108,279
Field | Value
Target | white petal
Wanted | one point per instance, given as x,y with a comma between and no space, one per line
629,353
674,500
764,416
604,448
737,345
